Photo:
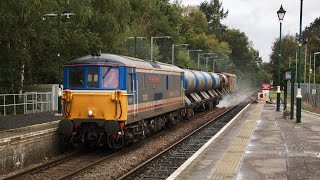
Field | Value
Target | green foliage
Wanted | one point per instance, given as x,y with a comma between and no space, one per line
29,45
245,58
214,13
288,56
311,37
183,61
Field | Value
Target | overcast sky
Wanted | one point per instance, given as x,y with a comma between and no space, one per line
259,20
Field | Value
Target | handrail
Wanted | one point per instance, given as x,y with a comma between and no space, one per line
39,101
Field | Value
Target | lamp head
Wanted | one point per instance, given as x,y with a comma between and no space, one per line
281,13
68,15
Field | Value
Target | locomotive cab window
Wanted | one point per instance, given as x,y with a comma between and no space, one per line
76,78
130,83
92,78
110,78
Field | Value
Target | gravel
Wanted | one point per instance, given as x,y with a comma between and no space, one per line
138,153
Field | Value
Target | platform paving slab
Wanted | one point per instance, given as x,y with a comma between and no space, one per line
10,122
262,144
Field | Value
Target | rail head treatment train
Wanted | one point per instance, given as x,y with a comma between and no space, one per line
111,100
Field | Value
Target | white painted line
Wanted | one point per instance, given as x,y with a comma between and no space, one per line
29,127
175,174
28,135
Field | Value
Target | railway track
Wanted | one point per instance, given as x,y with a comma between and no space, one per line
75,164
66,166
78,162
166,162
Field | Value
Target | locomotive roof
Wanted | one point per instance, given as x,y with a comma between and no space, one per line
118,60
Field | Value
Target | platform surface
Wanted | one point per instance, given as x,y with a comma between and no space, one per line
260,144
12,122
14,135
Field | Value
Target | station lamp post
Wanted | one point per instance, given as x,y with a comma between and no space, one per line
214,60
151,44
58,16
299,96
175,45
203,55
314,68
281,14
193,50
135,43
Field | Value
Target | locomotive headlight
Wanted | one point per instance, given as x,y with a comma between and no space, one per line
90,112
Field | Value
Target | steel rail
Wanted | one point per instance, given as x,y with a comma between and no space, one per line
45,166
78,171
128,174
134,171
61,160
74,154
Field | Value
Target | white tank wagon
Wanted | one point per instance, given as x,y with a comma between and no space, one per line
201,90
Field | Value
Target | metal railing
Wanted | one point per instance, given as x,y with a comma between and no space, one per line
29,102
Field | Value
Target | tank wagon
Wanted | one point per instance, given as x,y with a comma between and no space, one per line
113,100
231,86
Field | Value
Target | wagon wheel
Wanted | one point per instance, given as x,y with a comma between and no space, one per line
115,141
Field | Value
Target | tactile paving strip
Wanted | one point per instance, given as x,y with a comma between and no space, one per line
228,165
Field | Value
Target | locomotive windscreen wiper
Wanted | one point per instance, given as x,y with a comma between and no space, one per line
106,73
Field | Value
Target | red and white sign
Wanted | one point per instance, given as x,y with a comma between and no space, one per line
265,86
260,96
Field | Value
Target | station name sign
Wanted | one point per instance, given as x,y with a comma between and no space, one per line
288,75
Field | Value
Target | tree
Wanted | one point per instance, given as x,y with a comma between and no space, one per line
29,45
311,36
18,35
193,20
243,54
110,20
214,13
288,54
194,30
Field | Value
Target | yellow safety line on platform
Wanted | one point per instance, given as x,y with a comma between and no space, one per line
228,165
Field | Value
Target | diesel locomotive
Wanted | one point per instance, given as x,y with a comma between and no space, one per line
111,100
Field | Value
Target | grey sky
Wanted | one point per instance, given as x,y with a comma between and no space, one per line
259,20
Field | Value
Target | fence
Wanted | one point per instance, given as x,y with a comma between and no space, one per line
30,102
306,91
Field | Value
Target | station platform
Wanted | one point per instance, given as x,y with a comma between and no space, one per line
12,122
22,126
259,144
24,146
